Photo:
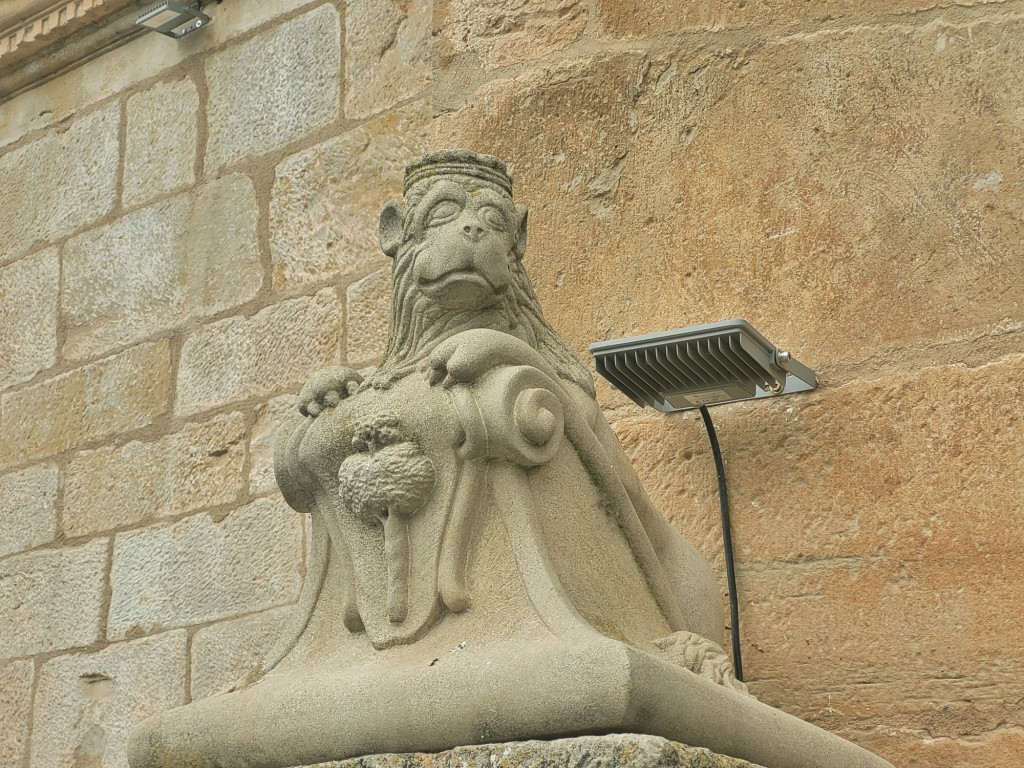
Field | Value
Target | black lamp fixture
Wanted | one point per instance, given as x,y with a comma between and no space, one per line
174,19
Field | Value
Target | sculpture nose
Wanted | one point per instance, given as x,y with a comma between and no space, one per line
473,230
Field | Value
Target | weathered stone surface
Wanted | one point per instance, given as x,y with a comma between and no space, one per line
791,461
500,33
43,38
28,514
387,54
794,180
160,141
61,98
53,598
647,18
1002,744
813,633
200,257
120,393
28,317
276,349
87,703
226,654
111,292
673,460
59,183
15,710
200,569
367,311
326,200
200,466
617,751
261,446
235,20
127,65
279,103
873,536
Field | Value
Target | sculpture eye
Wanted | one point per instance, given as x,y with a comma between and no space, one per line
492,217
444,211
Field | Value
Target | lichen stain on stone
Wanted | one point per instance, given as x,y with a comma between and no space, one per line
615,751
989,182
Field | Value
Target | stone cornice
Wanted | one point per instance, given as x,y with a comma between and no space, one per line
42,39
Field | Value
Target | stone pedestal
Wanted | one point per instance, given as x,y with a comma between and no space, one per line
616,751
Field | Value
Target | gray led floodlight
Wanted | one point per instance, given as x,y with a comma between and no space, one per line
699,366
174,19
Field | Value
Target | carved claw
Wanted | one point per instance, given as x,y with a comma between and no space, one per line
327,388
436,373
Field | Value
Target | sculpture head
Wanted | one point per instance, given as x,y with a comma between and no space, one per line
459,226
458,240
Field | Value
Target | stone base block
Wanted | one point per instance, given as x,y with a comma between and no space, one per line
615,751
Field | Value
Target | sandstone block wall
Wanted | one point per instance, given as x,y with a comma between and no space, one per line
188,230
848,178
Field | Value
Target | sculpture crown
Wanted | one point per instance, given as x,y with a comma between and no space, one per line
459,162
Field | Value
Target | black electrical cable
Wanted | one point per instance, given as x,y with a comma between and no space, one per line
730,570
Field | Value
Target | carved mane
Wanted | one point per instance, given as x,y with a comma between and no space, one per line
417,325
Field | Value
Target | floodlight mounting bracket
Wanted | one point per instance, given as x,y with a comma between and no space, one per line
702,365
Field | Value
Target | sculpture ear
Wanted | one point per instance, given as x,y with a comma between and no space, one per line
521,215
390,229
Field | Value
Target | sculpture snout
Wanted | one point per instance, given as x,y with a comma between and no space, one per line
474,231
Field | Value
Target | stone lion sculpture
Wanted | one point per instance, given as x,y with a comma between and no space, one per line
485,565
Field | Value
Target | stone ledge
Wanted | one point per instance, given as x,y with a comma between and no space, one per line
42,39
28,25
615,751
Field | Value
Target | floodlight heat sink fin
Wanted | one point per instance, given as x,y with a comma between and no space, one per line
700,365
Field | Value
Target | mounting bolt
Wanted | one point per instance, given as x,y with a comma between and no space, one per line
782,357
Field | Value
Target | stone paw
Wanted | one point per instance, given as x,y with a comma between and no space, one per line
453,363
326,388
702,657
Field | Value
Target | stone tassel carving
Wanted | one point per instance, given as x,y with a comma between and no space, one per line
387,481
471,481
485,565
